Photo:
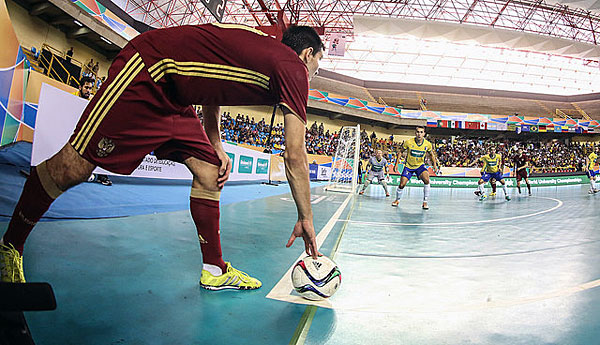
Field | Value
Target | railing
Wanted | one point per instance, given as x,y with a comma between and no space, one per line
61,54
55,69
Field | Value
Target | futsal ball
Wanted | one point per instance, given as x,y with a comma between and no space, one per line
316,279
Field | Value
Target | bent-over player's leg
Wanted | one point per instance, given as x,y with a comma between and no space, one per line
46,182
204,207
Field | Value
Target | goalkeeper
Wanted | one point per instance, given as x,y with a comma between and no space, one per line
377,167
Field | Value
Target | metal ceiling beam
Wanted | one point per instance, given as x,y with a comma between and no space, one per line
337,15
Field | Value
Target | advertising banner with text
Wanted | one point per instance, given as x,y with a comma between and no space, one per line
59,112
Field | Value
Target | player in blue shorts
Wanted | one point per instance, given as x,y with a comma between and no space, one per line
415,150
590,164
494,166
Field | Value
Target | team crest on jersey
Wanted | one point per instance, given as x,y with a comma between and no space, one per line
105,147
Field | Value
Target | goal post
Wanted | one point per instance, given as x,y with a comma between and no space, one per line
344,167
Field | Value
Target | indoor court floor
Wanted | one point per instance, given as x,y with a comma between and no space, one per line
463,272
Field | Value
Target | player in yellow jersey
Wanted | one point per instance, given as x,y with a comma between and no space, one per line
494,167
492,183
590,164
415,151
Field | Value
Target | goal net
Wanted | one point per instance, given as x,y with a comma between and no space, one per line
344,168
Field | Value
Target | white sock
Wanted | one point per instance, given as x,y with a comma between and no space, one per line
593,184
398,193
384,184
505,190
426,189
213,269
481,189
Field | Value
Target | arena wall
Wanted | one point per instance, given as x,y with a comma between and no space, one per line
33,32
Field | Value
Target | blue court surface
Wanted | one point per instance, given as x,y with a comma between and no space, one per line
463,272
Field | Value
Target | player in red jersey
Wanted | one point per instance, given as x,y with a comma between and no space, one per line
145,105
521,163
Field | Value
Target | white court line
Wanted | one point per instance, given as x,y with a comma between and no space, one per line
366,306
283,290
319,199
559,204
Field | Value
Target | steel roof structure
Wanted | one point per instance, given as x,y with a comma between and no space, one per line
574,20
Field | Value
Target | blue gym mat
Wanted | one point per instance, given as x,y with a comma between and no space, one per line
127,196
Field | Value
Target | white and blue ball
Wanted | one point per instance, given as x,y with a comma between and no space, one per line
316,279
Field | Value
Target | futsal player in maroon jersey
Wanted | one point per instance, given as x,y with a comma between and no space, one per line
521,163
144,106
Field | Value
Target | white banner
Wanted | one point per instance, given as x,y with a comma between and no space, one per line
337,44
59,111
324,173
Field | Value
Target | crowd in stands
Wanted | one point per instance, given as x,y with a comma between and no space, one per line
546,156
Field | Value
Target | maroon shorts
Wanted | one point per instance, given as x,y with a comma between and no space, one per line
131,116
521,174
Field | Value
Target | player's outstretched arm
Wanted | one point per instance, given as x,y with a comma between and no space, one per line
296,170
434,161
212,127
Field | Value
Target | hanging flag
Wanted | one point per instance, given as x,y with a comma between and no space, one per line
525,128
471,125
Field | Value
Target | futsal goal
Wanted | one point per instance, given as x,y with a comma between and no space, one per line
344,167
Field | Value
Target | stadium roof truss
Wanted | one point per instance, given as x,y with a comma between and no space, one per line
579,21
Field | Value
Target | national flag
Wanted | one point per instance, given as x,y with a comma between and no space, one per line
557,129
534,129
579,130
512,127
542,128
471,125
482,125
525,128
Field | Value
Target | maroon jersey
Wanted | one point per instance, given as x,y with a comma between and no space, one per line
224,64
520,160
